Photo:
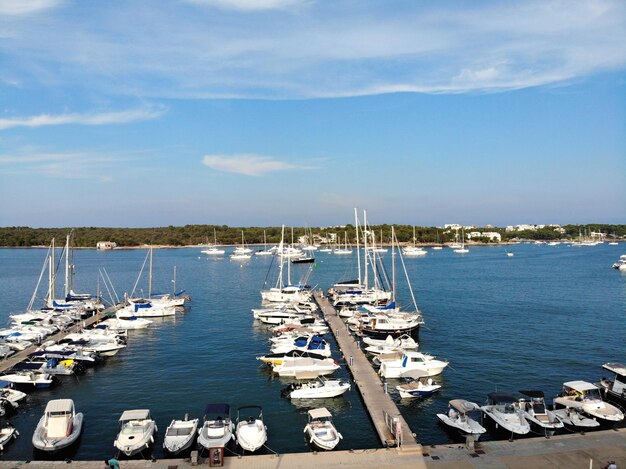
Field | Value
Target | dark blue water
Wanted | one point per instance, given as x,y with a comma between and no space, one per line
545,316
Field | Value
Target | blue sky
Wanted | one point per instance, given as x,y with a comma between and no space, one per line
263,112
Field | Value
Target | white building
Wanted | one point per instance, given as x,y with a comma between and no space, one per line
102,245
492,235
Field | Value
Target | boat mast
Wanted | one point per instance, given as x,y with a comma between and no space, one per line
150,275
365,253
393,266
51,277
279,283
174,281
67,266
358,253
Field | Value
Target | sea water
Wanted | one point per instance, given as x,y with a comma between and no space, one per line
547,315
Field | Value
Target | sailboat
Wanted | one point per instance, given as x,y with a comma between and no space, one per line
345,250
265,251
241,252
213,250
462,249
438,246
413,251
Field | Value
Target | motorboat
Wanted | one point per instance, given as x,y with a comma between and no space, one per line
29,380
421,387
537,413
616,387
6,435
180,434
250,431
321,388
53,366
9,398
136,433
394,324
128,321
575,419
458,416
278,358
587,397
291,366
621,263
218,429
59,427
504,409
315,344
321,430
411,365
405,342
413,251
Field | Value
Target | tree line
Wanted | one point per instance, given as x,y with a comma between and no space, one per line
87,237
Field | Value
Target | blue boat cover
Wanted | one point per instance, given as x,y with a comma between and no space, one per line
4,384
217,409
300,342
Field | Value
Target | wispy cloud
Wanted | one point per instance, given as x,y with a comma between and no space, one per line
251,5
25,7
248,164
77,165
277,49
105,118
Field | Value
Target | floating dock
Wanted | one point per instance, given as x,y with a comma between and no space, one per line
22,355
391,427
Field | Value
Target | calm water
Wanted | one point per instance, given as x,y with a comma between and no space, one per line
545,316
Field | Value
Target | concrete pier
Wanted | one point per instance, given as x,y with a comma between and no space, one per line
376,400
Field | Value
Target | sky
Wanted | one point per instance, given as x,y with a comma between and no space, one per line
266,112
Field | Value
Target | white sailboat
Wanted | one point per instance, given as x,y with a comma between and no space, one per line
345,250
241,252
265,251
462,249
213,250
413,251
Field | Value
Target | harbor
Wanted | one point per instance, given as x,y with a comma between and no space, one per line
157,355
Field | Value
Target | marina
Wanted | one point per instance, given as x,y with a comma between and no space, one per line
156,356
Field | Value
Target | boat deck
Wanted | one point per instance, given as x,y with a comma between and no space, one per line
376,401
13,360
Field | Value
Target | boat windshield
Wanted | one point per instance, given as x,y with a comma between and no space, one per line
592,395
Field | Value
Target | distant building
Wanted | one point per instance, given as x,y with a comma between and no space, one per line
102,245
555,227
492,235
452,226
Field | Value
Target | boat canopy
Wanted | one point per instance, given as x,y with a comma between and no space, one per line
533,394
501,397
4,384
59,406
217,409
463,406
320,413
139,414
617,368
580,385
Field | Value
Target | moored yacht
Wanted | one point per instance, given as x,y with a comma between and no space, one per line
411,365
218,429
136,433
587,397
59,427
321,430
504,410
250,431
458,417
616,387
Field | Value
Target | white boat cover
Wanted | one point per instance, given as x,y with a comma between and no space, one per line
139,414
464,406
58,406
322,412
580,385
616,368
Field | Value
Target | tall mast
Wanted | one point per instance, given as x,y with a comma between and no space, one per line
52,275
150,276
365,253
282,258
67,266
393,266
358,251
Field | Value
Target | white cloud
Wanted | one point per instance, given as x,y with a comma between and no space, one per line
25,7
105,118
277,49
77,165
248,164
251,5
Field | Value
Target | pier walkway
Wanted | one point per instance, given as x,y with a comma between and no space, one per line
376,400
20,356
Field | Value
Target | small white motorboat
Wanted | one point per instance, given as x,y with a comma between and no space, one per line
458,417
59,427
320,429
411,365
9,398
180,435
136,431
29,380
278,358
405,342
421,387
291,366
587,397
251,431
218,429
538,414
319,389
505,411
575,419
315,344
6,435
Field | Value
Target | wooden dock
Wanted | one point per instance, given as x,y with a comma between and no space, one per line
377,402
13,360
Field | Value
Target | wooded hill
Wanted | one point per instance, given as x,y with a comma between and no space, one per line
203,234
